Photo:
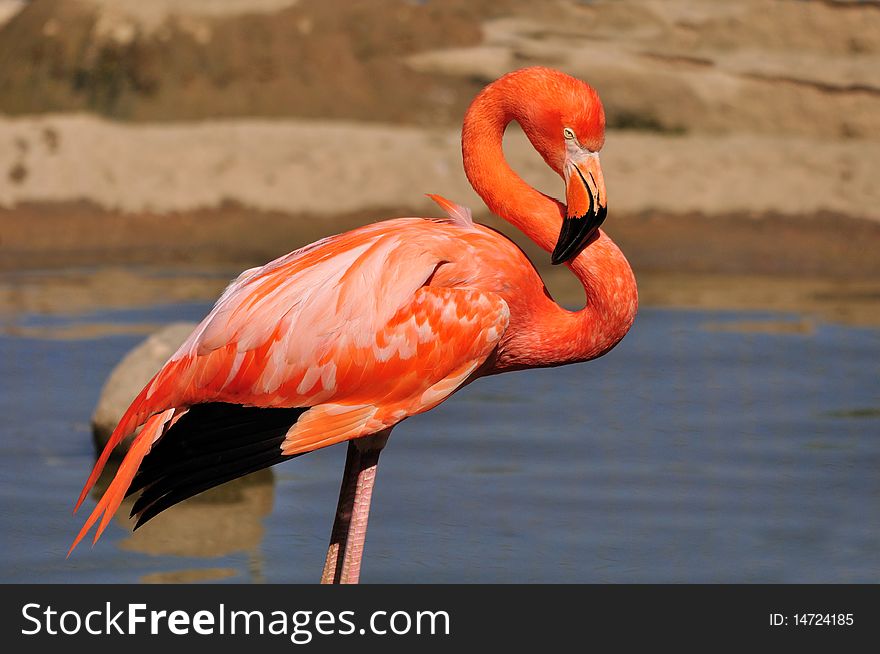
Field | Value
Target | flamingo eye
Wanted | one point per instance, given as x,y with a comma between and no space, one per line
568,133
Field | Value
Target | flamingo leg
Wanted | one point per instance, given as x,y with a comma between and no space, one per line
343,563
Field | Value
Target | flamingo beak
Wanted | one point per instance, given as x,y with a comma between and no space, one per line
586,206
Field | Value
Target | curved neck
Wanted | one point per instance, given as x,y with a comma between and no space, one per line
557,336
506,194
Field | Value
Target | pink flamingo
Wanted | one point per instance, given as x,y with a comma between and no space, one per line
345,338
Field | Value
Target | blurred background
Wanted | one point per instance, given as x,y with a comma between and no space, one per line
151,150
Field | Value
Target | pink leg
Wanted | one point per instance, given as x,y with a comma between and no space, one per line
343,564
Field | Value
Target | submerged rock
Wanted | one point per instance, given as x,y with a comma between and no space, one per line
130,375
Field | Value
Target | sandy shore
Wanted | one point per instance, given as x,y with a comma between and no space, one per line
328,168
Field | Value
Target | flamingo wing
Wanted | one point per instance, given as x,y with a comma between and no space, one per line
348,329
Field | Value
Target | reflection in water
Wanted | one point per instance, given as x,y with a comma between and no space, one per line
83,330
225,520
802,326
865,412
189,576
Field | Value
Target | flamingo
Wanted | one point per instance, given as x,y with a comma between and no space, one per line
343,339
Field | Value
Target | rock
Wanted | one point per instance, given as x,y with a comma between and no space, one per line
130,375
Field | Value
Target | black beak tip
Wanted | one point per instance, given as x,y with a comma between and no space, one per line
576,233
565,244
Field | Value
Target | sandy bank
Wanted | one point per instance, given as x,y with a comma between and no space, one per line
327,168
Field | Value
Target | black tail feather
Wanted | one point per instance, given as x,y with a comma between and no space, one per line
210,445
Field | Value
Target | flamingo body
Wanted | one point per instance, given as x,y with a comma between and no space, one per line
361,330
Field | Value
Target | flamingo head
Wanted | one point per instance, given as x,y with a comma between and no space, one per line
565,122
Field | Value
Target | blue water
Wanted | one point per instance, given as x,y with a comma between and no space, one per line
687,454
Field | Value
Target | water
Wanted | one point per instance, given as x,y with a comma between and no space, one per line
708,447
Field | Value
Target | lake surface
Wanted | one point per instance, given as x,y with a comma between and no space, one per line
710,446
